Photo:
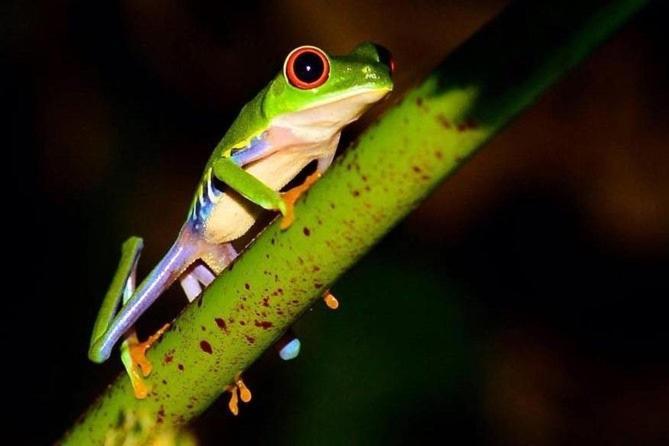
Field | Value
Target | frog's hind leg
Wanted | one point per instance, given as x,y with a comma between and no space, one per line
122,286
216,258
194,281
191,285
133,360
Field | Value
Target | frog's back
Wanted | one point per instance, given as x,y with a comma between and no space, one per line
250,123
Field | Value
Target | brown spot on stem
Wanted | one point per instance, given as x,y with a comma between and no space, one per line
421,104
443,120
250,339
160,416
264,324
467,124
168,358
180,367
306,231
206,347
221,324
247,286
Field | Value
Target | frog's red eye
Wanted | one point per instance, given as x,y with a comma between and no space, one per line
306,67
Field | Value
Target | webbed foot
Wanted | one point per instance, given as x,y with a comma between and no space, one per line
133,355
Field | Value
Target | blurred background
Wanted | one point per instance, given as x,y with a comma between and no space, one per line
524,303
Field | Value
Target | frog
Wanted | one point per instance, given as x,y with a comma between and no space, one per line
294,122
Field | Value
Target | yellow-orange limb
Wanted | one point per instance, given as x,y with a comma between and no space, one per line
330,300
291,196
138,350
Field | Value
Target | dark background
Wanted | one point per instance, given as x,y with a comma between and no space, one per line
524,303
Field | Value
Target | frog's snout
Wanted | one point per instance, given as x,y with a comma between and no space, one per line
367,52
385,57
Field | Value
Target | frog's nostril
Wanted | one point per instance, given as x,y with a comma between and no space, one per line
385,57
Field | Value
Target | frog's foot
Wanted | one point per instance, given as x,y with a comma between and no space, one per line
138,385
330,300
133,355
238,388
291,196
138,350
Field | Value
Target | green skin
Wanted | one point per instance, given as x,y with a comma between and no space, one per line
278,133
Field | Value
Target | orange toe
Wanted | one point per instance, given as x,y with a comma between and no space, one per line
330,300
291,196
138,350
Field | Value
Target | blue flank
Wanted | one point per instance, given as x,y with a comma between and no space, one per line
207,193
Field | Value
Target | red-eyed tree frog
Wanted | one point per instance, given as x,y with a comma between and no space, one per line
295,120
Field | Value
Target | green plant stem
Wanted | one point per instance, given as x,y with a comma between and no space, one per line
393,167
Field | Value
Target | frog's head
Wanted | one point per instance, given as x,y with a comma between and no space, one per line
316,90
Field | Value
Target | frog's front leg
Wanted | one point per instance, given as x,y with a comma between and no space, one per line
250,187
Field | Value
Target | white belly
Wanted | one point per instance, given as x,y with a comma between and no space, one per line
298,138
232,216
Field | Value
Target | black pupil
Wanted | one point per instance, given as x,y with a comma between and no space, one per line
308,67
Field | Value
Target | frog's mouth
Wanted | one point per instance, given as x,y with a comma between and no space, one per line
325,118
